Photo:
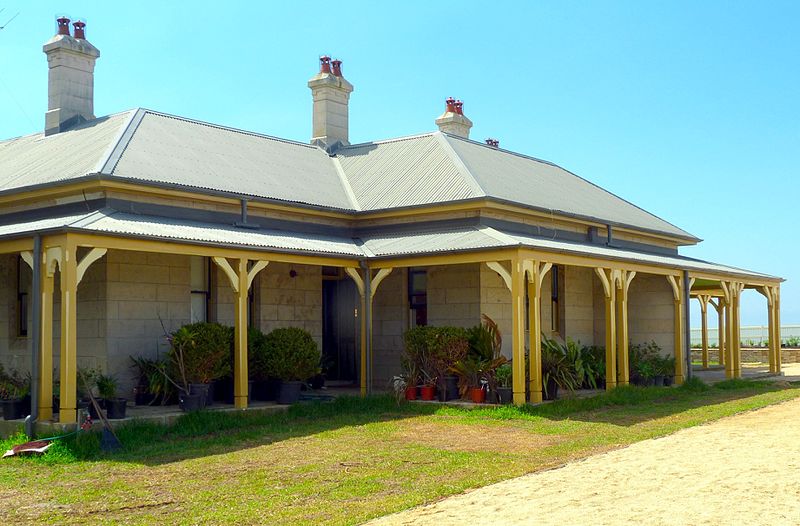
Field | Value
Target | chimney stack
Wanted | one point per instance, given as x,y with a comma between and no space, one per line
453,121
331,95
70,85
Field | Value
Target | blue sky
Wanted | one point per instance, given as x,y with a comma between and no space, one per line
688,109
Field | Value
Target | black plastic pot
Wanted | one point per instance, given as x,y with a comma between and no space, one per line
551,393
143,398
115,408
229,395
92,410
211,393
223,390
668,380
505,395
658,380
451,388
13,409
266,390
317,381
289,392
191,402
202,391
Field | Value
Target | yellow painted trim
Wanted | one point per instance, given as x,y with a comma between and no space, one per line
87,260
258,266
376,281
225,266
46,352
16,245
69,336
502,271
27,257
518,330
535,272
240,373
356,277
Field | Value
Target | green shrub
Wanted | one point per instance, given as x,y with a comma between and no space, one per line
431,352
106,386
257,357
504,375
201,352
292,354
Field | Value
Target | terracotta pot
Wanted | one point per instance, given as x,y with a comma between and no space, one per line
477,395
411,392
428,392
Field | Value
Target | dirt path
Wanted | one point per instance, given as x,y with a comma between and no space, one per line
740,470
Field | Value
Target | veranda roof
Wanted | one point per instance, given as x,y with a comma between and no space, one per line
377,246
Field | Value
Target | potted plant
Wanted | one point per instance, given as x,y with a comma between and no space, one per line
14,392
410,375
557,372
485,345
418,349
294,358
667,366
470,373
504,377
447,345
200,352
87,383
265,383
107,389
647,372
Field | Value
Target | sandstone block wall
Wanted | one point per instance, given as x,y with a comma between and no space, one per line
651,311
283,300
390,320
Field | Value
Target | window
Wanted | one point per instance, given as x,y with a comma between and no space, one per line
418,296
23,278
200,283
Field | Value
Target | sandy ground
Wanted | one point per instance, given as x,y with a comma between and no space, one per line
740,470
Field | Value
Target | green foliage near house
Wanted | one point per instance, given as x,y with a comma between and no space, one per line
201,352
291,354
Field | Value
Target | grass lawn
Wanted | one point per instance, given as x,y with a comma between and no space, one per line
342,462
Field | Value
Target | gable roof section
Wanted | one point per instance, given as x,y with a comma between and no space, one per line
172,150
411,171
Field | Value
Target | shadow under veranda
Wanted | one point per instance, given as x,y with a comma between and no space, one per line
206,433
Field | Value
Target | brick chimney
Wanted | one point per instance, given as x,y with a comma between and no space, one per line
70,84
453,120
331,94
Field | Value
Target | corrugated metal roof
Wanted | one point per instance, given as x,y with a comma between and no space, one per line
404,172
173,150
382,245
421,170
605,252
432,242
140,226
36,159
517,178
482,238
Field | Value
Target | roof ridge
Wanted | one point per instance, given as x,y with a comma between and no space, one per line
110,158
348,189
465,172
384,141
